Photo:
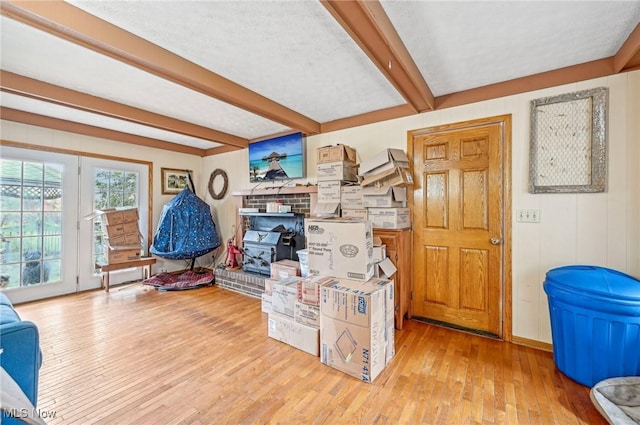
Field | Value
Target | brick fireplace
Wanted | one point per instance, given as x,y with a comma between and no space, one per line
302,200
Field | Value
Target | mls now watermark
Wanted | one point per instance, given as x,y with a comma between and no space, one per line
30,413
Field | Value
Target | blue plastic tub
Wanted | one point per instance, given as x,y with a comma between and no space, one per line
595,322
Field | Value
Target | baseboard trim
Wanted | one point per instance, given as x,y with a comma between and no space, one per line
532,343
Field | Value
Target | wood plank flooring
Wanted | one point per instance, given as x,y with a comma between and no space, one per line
139,356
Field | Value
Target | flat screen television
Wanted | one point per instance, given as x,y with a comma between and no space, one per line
280,158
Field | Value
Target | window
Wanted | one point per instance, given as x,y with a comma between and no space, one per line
112,189
30,223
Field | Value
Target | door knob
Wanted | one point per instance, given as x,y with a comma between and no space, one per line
495,241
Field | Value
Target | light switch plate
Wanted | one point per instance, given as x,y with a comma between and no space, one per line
528,216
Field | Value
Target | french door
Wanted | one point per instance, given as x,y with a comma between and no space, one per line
49,245
38,223
108,184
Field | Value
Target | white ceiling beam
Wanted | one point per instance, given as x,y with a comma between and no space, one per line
77,26
370,27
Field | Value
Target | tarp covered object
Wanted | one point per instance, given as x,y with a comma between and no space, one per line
186,229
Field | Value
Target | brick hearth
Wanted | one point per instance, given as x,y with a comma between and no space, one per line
251,284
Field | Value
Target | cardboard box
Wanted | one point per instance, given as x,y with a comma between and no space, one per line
267,303
351,197
390,218
329,191
327,210
385,269
303,259
114,255
113,230
336,171
336,153
306,314
113,216
400,177
268,285
309,289
130,240
357,327
359,214
297,335
340,248
283,269
379,253
384,197
284,296
386,160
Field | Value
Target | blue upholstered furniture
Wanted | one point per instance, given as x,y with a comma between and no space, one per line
21,356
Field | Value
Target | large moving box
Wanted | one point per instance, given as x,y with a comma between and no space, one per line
357,327
340,248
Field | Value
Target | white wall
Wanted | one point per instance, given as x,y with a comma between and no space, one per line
600,229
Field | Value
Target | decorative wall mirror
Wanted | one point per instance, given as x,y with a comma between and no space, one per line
568,147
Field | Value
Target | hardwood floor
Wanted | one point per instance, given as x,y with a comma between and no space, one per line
139,356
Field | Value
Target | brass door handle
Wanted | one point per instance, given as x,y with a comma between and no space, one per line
495,241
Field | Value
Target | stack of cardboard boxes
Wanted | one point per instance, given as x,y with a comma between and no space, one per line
375,189
356,309
121,235
348,323
336,168
385,178
342,311
292,303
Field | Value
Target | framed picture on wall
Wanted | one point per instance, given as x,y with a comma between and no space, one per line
280,158
568,146
174,180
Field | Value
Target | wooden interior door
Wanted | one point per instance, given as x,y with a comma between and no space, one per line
458,221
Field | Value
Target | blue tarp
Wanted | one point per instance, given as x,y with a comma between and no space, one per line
186,229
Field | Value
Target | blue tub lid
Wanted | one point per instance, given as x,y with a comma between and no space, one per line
596,280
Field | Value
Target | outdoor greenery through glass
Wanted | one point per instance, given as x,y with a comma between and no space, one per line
113,189
30,223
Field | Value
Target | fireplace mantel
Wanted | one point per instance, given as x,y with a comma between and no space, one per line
277,191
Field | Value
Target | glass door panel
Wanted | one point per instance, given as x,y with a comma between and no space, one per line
38,223
109,184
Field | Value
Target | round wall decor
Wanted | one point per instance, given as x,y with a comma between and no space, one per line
212,191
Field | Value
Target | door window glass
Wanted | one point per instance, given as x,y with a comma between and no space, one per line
30,223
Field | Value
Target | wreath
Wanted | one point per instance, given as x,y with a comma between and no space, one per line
212,178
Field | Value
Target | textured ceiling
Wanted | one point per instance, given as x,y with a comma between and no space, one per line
215,75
